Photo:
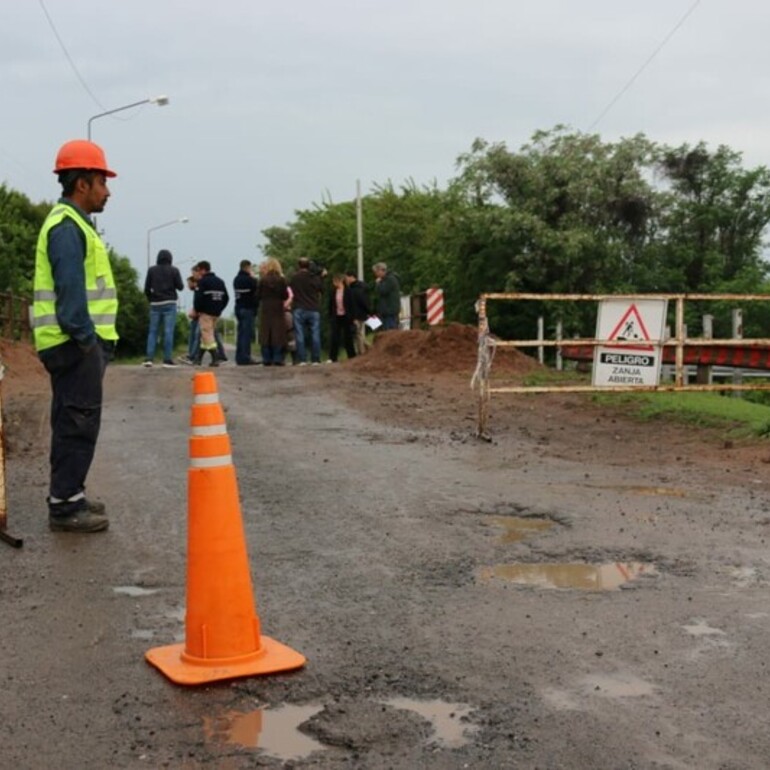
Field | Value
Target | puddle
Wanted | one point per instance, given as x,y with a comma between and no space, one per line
617,685
134,590
641,490
516,528
585,577
447,719
701,628
272,730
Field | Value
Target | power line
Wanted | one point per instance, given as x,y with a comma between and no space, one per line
645,65
69,58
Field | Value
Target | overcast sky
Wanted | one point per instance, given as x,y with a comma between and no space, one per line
276,105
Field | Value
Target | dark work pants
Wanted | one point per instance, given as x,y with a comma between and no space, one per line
76,412
245,335
341,329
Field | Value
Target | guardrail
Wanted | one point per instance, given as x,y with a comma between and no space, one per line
679,342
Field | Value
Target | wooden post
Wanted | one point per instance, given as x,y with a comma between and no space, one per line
738,335
540,336
704,371
4,536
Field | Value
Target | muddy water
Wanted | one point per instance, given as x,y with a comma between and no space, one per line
517,528
584,577
447,719
275,730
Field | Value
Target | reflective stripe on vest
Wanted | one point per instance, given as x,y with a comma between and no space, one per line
101,293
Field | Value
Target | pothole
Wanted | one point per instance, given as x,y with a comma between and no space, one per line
274,730
652,491
609,576
449,720
517,528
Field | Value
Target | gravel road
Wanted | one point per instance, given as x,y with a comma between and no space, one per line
589,597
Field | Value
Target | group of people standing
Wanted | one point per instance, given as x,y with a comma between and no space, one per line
287,313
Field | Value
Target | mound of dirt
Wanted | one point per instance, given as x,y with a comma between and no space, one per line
23,371
451,348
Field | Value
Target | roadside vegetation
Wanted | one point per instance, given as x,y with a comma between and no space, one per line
734,417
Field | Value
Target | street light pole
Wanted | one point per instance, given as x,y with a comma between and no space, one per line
181,220
161,101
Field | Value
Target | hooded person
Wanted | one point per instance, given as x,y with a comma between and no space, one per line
161,287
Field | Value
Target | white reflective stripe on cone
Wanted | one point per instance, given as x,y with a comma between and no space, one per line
211,462
206,398
209,430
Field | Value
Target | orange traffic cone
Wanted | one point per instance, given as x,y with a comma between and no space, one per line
222,632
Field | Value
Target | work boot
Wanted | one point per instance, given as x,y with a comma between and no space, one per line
96,506
84,518
214,358
198,359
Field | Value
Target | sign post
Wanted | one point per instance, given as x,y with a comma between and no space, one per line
636,329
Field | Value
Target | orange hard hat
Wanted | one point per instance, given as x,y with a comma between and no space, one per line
80,153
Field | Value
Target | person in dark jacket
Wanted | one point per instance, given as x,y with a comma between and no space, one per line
246,305
340,319
360,310
211,299
273,293
388,293
307,287
161,285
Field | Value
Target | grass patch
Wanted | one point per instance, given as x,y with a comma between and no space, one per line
738,417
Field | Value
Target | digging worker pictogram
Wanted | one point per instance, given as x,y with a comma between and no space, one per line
74,310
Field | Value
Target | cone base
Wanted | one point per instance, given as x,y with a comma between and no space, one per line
272,658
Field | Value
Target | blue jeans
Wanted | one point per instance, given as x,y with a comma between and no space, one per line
272,355
194,340
161,316
245,335
388,322
311,318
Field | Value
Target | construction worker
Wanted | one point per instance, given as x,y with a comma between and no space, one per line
209,302
75,306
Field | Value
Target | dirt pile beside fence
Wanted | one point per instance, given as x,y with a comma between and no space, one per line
451,348
23,371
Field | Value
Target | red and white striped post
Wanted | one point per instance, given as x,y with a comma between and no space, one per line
435,306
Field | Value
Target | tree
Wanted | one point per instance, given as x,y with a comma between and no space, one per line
132,321
20,222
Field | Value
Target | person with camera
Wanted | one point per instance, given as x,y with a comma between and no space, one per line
307,287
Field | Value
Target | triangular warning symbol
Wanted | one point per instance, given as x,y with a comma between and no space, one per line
631,327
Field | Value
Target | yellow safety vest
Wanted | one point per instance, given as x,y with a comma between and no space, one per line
100,285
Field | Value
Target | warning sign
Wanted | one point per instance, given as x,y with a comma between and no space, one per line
637,327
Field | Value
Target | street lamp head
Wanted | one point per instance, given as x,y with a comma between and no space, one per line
161,101
181,220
